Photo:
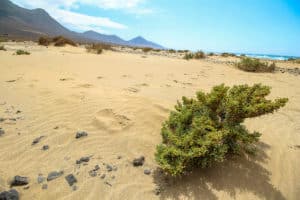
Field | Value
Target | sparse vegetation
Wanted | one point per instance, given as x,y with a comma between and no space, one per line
98,48
228,54
183,51
294,60
188,56
208,129
199,55
58,41
172,51
146,49
44,41
211,54
22,52
2,48
255,65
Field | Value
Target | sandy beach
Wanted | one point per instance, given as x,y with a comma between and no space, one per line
121,100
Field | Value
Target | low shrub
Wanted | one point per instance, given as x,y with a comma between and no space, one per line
183,51
254,65
2,48
172,51
22,52
44,41
199,55
295,60
98,48
208,129
188,56
211,54
61,41
147,49
228,54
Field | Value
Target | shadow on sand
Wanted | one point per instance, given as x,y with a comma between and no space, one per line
239,174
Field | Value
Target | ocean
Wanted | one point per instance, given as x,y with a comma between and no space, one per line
267,56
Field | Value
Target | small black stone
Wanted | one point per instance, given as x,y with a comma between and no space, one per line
103,176
18,111
83,159
53,175
109,168
37,140
80,134
45,147
9,195
19,181
138,161
71,179
96,167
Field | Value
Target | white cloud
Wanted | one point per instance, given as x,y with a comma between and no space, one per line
61,11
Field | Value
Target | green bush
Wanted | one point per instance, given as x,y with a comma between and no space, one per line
207,129
2,48
172,51
22,52
44,41
254,65
61,41
188,56
98,48
211,54
199,55
228,54
147,49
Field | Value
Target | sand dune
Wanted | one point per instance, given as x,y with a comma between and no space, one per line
120,100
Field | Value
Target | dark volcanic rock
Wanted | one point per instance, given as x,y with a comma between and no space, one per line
45,147
71,179
93,173
83,159
53,175
2,119
109,168
9,195
80,134
19,181
138,161
37,140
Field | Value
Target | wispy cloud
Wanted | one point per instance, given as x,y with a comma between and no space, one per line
65,12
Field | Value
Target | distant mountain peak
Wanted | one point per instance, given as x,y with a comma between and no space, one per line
18,22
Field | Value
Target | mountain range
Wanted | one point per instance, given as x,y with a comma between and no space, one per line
22,23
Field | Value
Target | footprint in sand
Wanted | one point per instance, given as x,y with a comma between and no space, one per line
132,89
110,121
85,85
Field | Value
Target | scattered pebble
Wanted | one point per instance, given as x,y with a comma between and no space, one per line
53,175
103,176
71,179
107,183
2,119
157,191
82,160
147,171
109,168
96,167
74,188
138,161
81,134
9,195
93,173
44,186
40,179
37,140
45,147
2,132
56,127
119,157
19,181
18,111
26,187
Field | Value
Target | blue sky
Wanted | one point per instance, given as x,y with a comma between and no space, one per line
247,26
